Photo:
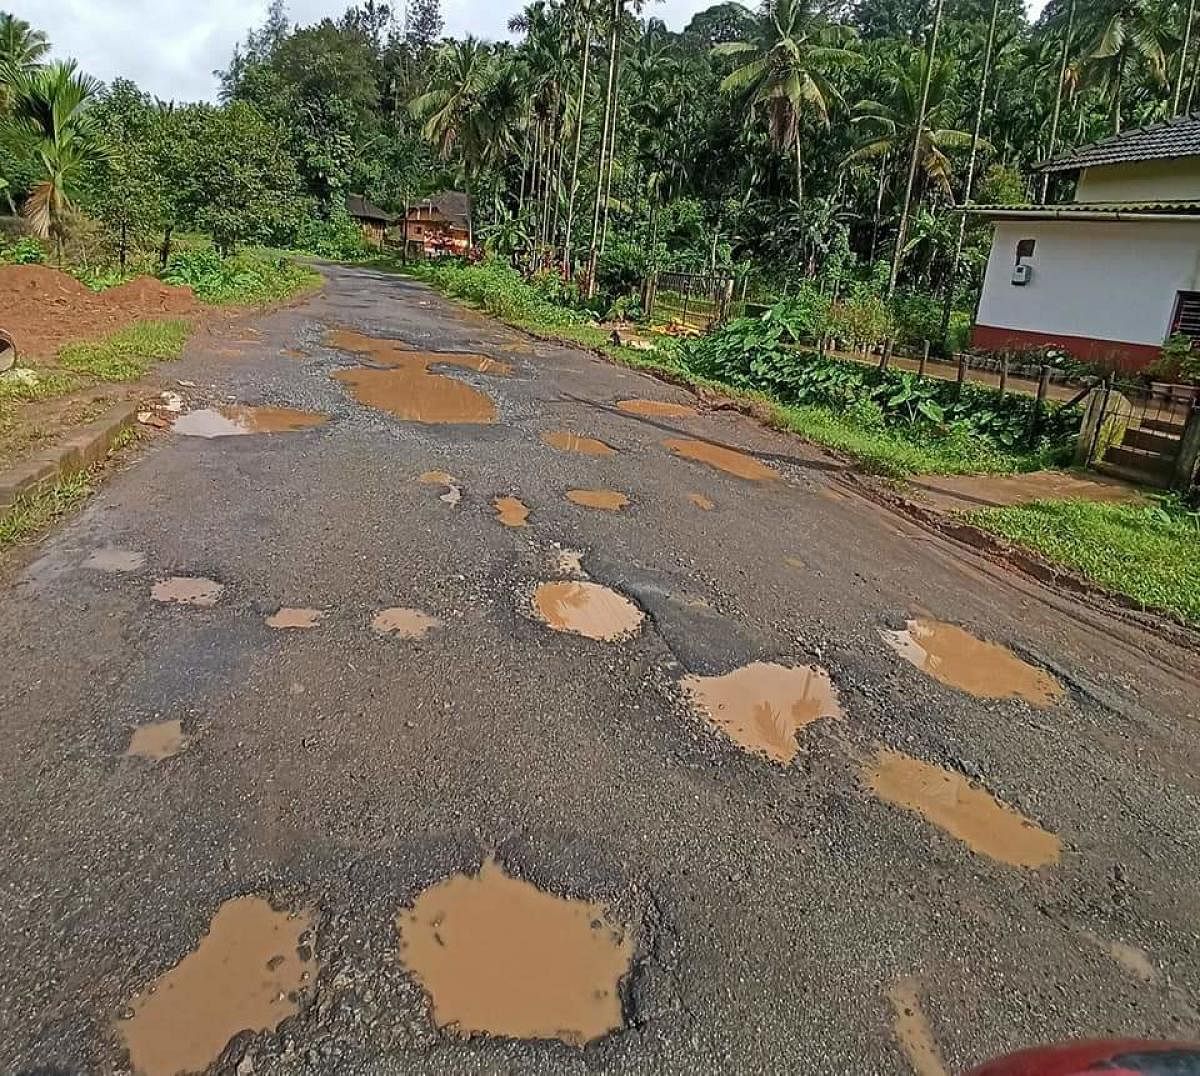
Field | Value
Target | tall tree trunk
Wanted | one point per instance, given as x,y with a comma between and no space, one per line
583,81
614,35
470,210
1195,79
906,207
1064,60
164,252
883,163
1118,92
972,161
1183,52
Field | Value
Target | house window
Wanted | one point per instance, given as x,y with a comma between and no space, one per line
1187,315
1025,249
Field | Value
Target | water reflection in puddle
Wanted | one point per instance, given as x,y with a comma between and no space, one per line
762,706
511,512
655,408
237,420
187,590
157,741
608,500
973,815
244,975
295,618
565,441
499,956
404,623
587,609
724,459
958,659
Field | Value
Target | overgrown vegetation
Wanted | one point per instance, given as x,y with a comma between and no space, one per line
127,353
1150,553
34,513
246,277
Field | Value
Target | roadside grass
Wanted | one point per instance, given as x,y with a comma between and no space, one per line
1148,553
37,384
126,354
31,515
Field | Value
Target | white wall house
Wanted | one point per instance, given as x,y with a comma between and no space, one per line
1109,276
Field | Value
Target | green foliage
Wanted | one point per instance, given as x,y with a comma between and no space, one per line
498,289
246,277
24,383
127,353
337,238
1179,361
1148,553
34,513
25,251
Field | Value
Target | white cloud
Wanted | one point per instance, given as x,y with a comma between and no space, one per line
171,47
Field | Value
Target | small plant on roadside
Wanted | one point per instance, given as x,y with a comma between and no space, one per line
245,277
35,512
126,354
25,251
1178,361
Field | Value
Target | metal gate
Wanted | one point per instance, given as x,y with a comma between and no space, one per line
698,301
1138,433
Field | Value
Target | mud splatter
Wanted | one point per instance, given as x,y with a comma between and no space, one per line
112,559
607,500
724,459
762,706
974,816
655,408
236,420
162,739
499,956
404,623
569,562
1130,958
565,441
244,975
701,502
587,609
187,590
511,512
911,1029
958,659
288,617
453,493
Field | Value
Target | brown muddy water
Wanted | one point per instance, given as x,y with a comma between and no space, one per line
187,590
911,1029
607,500
723,459
499,956
403,623
762,706
655,408
587,609
511,512
111,559
958,659
701,502
565,441
436,478
237,420
974,816
163,739
295,618
244,975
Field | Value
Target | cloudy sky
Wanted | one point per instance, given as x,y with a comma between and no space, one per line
171,47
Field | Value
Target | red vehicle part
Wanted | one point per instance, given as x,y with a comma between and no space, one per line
1116,1057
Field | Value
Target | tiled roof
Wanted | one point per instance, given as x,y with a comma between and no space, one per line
452,205
361,208
1116,210
1179,137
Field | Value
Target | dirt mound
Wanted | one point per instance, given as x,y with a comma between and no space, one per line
43,309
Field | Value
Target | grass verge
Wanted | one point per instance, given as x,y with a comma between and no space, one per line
126,354
31,515
26,384
1148,553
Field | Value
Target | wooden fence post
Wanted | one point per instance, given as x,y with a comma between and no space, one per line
1039,404
962,372
1187,463
1003,373
924,360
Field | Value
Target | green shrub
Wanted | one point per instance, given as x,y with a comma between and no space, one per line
498,289
338,238
25,251
126,354
245,277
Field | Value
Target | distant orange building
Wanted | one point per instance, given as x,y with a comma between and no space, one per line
439,225
373,221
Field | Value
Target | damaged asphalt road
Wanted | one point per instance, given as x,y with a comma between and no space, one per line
934,878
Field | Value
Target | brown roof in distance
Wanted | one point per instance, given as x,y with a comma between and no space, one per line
1163,141
452,205
361,208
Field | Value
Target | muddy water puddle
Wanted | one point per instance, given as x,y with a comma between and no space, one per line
723,459
499,956
958,659
402,623
587,609
565,441
244,975
762,706
606,500
511,512
187,590
453,492
655,408
157,741
912,1031
292,618
112,559
237,420
701,502
974,816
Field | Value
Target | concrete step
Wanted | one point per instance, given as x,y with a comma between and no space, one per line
1151,441
1162,425
1139,467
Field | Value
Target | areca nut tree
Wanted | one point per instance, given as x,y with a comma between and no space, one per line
1121,33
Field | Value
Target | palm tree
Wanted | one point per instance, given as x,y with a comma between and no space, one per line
50,120
21,48
1060,88
1120,35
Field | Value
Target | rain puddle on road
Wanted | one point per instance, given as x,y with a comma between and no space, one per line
453,492
724,459
607,500
408,389
295,618
566,441
187,590
237,420
511,512
911,1029
762,706
244,975
701,502
986,670
586,609
404,623
655,408
976,817
499,956
111,559
163,739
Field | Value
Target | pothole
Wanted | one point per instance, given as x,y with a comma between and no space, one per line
762,706
245,974
587,609
958,659
911,1029
453,493
565,441
187,590
404,623
511,512
972,815
606,500
111,559
157,741
290,618
237,420
723,459
655,408
498,956
701,502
